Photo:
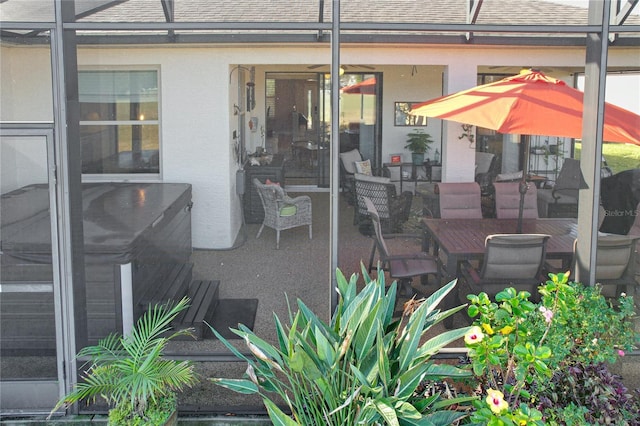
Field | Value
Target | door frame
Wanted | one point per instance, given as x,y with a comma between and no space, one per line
39,395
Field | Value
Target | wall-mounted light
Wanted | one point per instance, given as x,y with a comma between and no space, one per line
340,72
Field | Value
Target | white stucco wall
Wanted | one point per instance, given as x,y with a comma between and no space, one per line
25,84
196,144
198,93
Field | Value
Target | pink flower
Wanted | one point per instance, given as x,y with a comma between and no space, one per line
620,352
548,314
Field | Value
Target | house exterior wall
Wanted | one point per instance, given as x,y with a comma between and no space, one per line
199,90
196,145
25,84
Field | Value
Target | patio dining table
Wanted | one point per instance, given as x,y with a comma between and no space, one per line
464,239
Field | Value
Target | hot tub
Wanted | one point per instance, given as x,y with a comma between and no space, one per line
137,242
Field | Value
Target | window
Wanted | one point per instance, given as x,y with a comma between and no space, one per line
119,127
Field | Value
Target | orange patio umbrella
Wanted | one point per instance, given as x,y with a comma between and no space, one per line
365,87
529,103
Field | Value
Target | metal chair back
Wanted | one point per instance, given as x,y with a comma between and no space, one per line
460,200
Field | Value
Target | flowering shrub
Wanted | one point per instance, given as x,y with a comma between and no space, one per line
584,327
537,363
504,359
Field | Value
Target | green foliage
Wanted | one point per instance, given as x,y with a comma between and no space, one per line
157,413
586,328
503,358
588,394
528,355
418,141
619,156
130,373
364,367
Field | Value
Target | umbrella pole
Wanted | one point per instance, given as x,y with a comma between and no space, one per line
522,188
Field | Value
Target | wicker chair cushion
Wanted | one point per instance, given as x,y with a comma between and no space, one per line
349,159
288,210
374,179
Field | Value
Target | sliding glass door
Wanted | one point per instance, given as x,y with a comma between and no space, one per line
360,97
295,126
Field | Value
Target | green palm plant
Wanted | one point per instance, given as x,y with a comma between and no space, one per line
365,367
130,373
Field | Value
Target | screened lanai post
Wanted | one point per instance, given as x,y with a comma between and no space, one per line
69,187
597,49
335,149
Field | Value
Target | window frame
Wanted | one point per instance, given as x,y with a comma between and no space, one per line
116,177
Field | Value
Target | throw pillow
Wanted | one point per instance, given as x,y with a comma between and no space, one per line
268,182
364,167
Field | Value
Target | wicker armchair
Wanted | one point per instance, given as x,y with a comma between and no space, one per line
347,172
281,211
393,209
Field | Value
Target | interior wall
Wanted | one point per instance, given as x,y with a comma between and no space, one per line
408,84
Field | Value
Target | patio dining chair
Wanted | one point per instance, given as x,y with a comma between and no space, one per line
510,260
282,212
460,200
507,199
615,264
487,168
562,199
405,266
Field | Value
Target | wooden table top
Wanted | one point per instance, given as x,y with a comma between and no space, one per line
466,237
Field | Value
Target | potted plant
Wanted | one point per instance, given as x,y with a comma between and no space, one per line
418,142
130,373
